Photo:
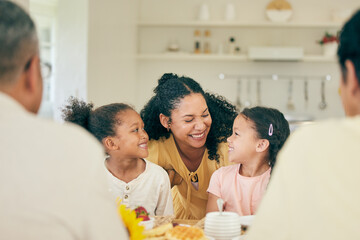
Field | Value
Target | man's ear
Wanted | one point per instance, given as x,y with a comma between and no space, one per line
262,145
33,81
110,144
352,80
164,120
30,86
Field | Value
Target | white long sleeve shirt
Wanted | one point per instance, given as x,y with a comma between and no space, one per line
52,182
314,191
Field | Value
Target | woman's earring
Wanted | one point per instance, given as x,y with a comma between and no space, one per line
168,128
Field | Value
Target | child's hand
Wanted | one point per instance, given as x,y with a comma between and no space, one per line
174,177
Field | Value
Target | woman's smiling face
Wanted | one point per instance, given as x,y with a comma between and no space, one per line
191,121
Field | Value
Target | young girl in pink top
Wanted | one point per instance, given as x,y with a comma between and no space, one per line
258,135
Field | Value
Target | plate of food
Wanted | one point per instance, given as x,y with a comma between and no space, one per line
168,231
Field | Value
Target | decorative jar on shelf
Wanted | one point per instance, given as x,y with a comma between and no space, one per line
330,49
329,43
279,11
204,12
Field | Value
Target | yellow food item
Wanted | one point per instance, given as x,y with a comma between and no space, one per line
158,231
185,233
279,5
156,238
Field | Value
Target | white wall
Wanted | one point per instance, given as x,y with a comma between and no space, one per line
112,51
304,10
98,42
274,94
71,57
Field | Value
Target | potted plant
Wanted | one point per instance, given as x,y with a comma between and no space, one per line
330,44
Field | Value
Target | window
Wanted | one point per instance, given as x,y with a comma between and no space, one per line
44,15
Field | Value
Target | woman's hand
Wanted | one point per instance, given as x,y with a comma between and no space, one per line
174,177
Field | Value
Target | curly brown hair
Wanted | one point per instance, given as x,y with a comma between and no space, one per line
168,94
100,122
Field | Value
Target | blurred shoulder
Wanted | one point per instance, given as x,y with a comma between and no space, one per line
67,140
71,133
327,129
325,141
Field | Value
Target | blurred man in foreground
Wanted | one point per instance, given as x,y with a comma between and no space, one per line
314,192
52,182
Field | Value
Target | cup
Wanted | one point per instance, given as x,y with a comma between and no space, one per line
222,226
204,12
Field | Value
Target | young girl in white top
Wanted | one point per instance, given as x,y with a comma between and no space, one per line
133,179
258,135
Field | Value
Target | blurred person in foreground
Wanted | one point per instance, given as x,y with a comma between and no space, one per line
314,192
52,184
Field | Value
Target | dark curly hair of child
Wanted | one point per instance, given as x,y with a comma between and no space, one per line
170,91
100,122
270,124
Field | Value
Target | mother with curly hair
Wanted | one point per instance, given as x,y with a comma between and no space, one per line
187,128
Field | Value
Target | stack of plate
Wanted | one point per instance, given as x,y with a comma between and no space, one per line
222,226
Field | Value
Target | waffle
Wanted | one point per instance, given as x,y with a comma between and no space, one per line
158,231
156,238
185,233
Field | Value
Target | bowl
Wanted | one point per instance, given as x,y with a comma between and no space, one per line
247,220
279,15
148,224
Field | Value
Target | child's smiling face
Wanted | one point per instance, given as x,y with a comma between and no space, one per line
131,137
243,141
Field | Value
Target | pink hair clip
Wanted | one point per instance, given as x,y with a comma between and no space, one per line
271,130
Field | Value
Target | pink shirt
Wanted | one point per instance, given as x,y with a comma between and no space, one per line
241,194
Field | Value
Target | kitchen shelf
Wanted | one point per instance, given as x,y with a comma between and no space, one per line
224,57
319,58
240,24
189,56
